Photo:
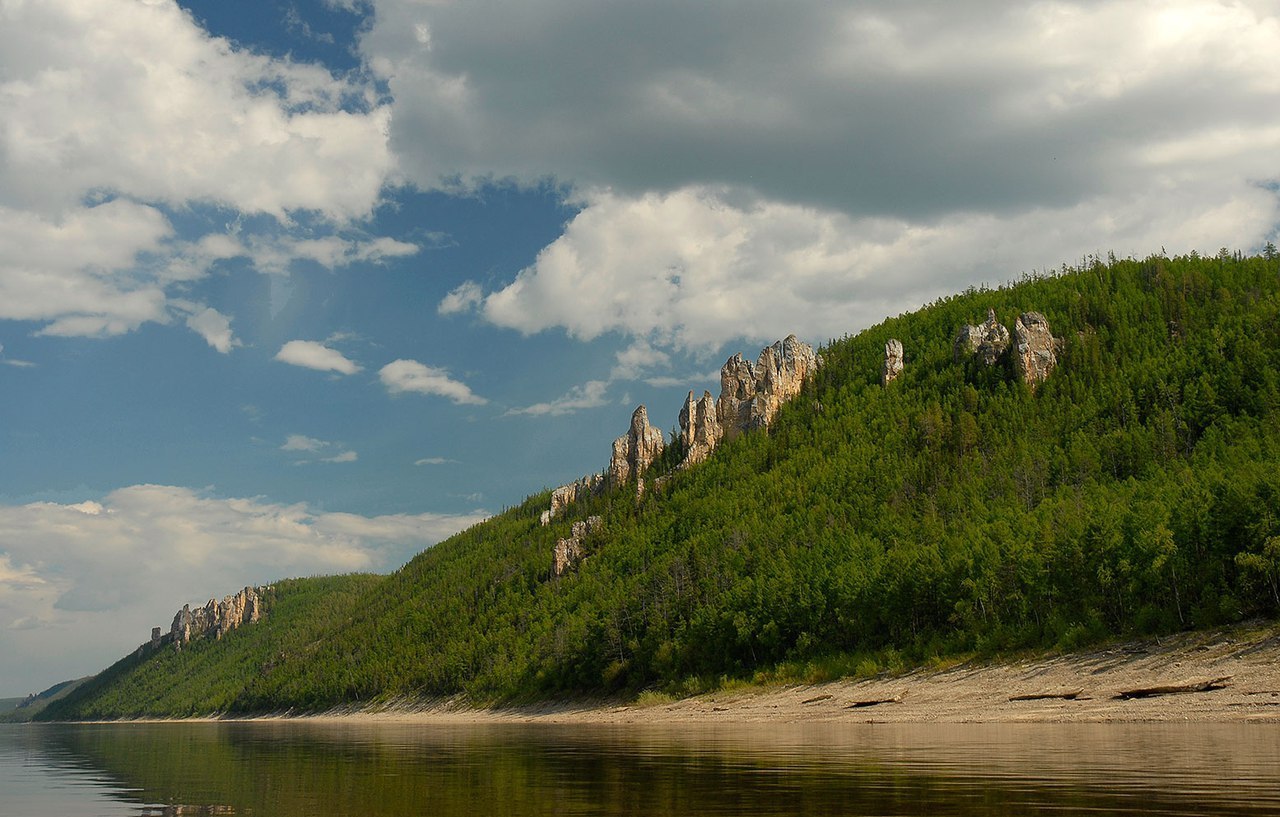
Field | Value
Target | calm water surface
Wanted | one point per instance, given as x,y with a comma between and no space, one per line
372,770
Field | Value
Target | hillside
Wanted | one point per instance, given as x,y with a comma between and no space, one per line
21,710
955,509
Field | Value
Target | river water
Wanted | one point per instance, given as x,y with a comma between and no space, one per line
379,770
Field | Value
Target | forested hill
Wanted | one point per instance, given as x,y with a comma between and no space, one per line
1137,489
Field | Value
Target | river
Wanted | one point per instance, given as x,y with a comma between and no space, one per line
283,769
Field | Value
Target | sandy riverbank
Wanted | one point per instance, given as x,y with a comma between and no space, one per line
975,692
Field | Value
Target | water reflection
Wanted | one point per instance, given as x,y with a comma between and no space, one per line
385,770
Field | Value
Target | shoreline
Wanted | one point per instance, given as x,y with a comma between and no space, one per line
1244,660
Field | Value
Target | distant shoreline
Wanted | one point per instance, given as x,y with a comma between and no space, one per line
1247,657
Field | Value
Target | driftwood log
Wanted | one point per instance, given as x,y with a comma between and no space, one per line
1066,695
877,701
1174,689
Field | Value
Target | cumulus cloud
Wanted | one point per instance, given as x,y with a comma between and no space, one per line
400,376
631,363
142,552
464,297
77,268
209,324
636,359
433,461
301,442
881,107
814,167
692,270
312,355
345,456
591,394
206,121
116,112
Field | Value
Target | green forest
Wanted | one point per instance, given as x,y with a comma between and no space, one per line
954,511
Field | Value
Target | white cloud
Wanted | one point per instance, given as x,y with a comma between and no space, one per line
631,363
691,269
464,297
205,120
636,359
116,111
312,355
401,376
591,394
813,167
143,551
275,255
8,361
301,442
888,108
209,324
434,461
353,6
77,269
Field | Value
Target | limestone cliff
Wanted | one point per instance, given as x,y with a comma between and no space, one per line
569,552
635,451
566,495
699,428
1035,349
737,391
893,361
987,341
750,396
216,618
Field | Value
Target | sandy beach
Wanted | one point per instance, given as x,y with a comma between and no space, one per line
1240,668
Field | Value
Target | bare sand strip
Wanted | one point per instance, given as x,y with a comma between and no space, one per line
1225,675
1236,670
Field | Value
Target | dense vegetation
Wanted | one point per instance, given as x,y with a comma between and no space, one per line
1137,490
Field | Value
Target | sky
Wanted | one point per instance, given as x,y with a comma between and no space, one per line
298,287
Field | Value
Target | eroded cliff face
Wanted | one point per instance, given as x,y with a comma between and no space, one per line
216,618
699,428
987,340
566,495
750,396
1034,349
569,552
635,451
893,361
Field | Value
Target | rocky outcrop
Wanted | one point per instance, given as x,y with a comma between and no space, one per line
569,552
635,451
737,392
1034,349
566,495
699,428
893,361
986,341
750,396
216,618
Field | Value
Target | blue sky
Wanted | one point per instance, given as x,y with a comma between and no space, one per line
291,288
